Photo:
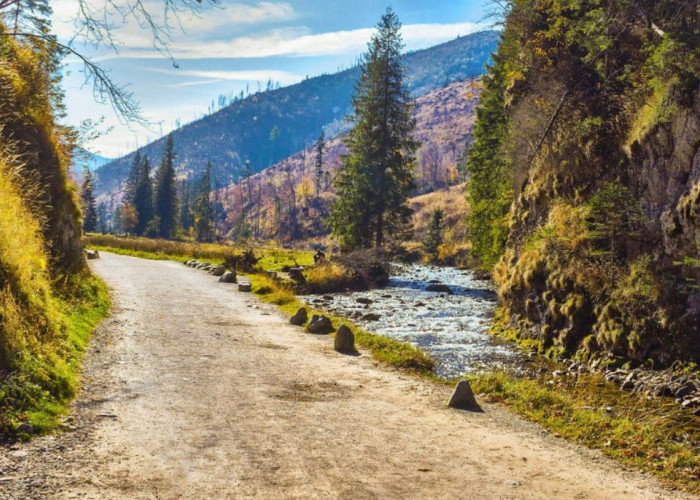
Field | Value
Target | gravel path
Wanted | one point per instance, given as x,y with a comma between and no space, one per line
194,390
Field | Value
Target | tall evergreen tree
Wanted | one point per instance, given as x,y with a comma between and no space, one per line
133,180
490,187
87,194
203,210
166,193
320,146
186,206
377,175
143,197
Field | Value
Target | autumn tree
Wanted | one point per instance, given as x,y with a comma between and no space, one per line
376,178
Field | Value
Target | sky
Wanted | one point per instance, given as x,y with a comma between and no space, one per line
233,47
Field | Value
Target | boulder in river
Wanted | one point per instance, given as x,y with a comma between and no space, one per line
363,300
228,277
371,317
344,340
463,398
439,287
320,325
300,317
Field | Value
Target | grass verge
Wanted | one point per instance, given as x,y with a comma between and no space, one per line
654,435
271,258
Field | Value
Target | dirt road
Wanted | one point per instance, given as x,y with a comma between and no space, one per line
195,390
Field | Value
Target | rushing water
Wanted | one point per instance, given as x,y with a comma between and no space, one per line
452,328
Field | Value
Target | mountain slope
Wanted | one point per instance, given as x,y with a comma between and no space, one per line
281,202
270,126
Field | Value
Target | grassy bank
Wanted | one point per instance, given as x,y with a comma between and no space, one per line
45,377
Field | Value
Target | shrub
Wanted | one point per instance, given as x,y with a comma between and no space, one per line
331,276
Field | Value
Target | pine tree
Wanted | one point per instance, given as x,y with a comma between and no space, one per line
87,194
133,180
490,190
434,237
320,146
203,210
143,198
377,175
165,193
186,206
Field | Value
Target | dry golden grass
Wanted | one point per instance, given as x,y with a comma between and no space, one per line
328,277
453,201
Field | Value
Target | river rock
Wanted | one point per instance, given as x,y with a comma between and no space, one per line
371,317
245,286
684,390
463,398
363,300
92,254
320,325
300,317
439,287
228,277
344,340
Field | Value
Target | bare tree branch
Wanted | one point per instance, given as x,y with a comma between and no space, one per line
104,89
94,25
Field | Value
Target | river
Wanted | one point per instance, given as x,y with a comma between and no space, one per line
452,328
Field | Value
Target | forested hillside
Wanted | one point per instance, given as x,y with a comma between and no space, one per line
269,126
585,177
291,200
44,282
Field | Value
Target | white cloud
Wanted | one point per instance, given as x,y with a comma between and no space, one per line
297,42
132,33
284,77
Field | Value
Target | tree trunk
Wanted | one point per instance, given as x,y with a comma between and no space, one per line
380,229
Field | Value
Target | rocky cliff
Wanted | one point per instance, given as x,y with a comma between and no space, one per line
600,146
